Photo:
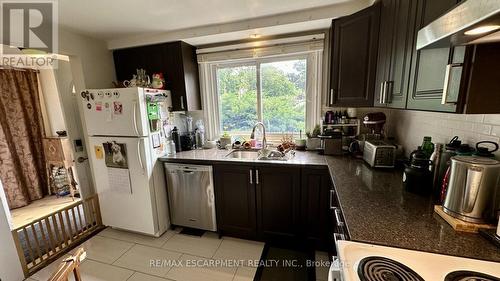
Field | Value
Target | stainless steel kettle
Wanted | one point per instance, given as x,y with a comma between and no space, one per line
473,192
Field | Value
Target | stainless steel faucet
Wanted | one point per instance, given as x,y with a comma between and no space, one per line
264,142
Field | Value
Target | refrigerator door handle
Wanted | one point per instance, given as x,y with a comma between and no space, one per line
134,118
139,155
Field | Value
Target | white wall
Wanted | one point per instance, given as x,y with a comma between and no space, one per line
53,113
411,126
93,55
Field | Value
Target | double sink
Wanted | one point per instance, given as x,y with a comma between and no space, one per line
258,154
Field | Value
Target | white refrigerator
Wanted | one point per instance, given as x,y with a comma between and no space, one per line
125,137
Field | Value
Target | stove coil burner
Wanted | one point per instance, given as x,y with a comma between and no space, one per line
464,275
384,269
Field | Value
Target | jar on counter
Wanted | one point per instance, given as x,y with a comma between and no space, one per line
171,148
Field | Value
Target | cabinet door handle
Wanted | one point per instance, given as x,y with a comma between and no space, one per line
256,176
331,96
332,192
388,91
447,76
336,212
381,94
182,102
251,176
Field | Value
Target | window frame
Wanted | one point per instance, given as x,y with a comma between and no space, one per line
257,62
316,90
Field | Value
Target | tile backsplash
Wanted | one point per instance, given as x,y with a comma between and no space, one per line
409,127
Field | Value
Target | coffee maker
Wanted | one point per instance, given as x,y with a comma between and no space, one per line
374,121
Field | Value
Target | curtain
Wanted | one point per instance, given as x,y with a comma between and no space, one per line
22,165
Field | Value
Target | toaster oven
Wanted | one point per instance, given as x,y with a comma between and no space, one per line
379,154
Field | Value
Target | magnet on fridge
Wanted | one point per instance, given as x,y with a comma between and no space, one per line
83,94
92,96
100,95
116,95
89,106
98,152
117,108
98,106
108,94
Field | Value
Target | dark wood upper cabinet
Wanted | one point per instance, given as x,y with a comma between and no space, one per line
354,58
176,60
460,79
397,21
278,203
235,200
428,68
480,86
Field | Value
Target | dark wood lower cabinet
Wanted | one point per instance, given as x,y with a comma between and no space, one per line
235,201
316,197
282,203
278,203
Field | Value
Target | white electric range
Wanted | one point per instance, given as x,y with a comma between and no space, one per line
365,262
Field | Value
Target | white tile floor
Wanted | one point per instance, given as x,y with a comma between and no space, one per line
118,256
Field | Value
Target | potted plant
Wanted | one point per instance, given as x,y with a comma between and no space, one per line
225,140
313,142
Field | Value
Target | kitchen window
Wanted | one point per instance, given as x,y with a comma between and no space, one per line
278,88
269,91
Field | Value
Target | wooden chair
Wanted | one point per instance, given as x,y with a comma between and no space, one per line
69,264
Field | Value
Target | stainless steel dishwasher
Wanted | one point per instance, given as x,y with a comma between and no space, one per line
191,200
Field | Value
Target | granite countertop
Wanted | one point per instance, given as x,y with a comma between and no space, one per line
376,209
219,155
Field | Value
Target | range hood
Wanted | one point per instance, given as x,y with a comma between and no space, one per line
470,22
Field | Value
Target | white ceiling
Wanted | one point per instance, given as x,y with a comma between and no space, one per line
113,20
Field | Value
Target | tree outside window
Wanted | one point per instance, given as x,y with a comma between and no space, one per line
272,92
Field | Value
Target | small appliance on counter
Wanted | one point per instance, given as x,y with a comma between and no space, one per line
472,193
332,144
187,141
379,154
375,121
176,138
441,162
417,177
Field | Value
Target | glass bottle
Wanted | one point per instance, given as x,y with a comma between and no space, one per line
428,146
171,148
175,136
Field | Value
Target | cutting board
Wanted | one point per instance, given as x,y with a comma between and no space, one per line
460,225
